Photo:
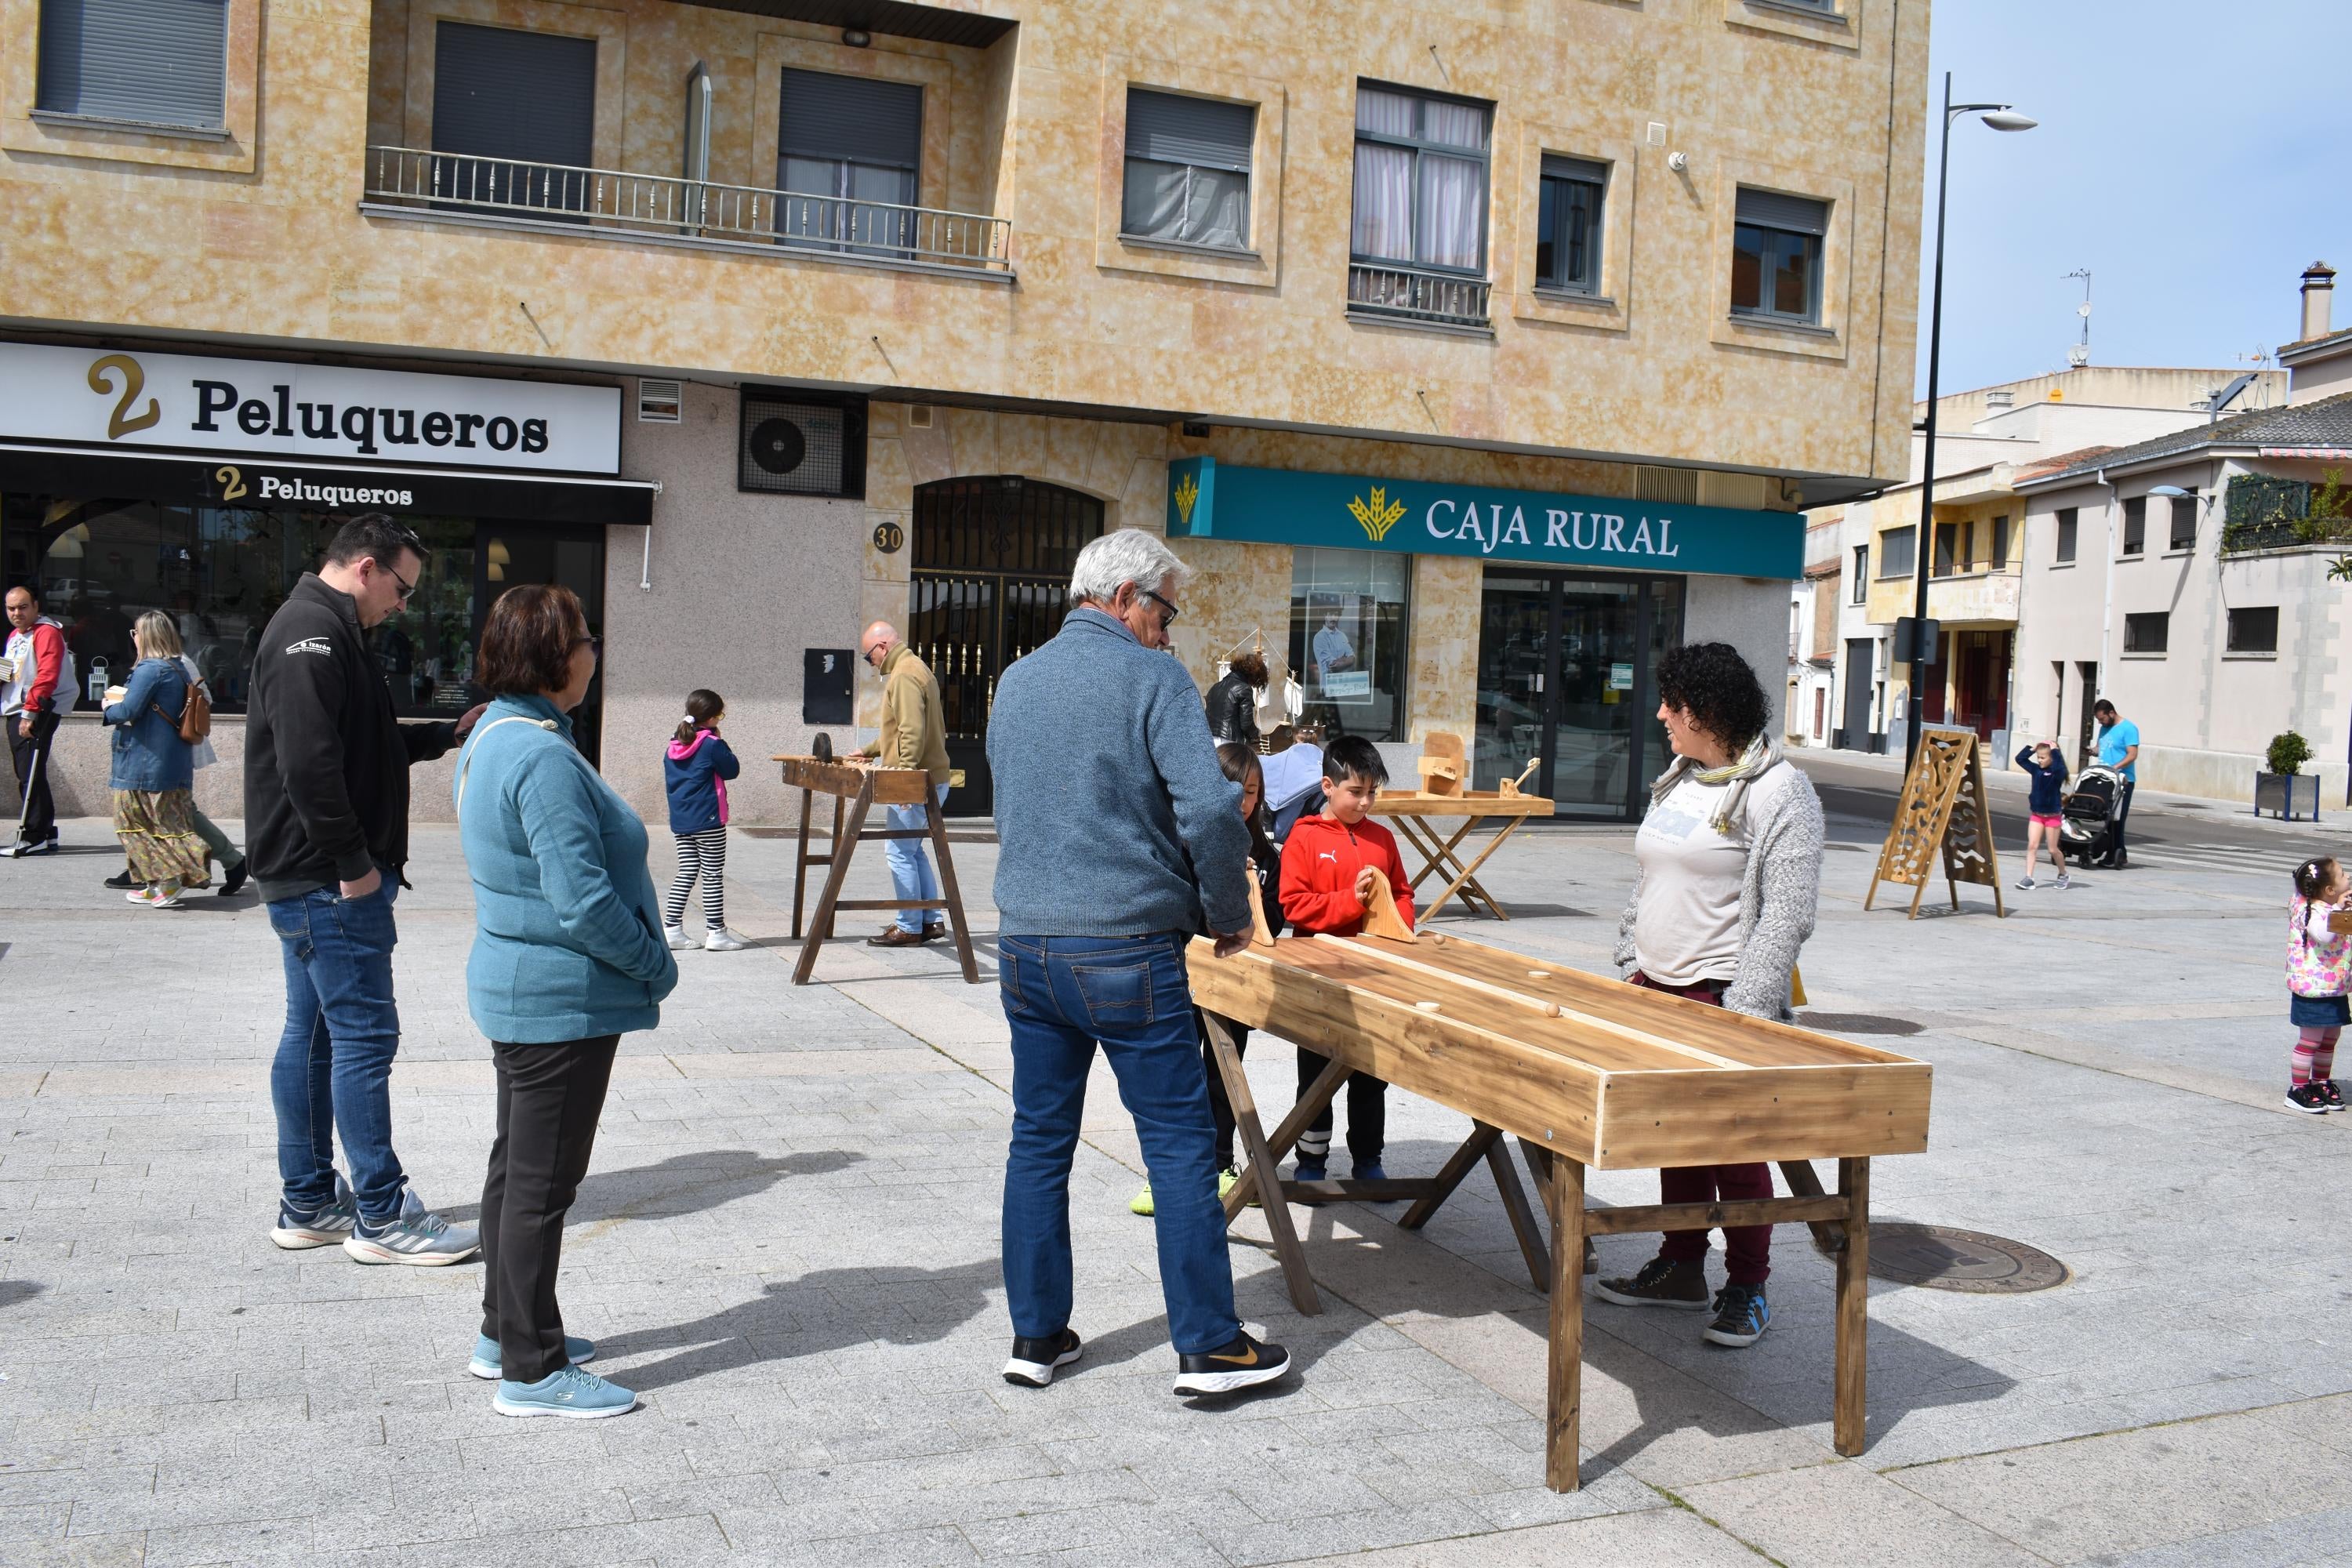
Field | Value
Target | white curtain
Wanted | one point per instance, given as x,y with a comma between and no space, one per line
1154,207
1218,212
1383,202
1454,124
1388,113
1453,203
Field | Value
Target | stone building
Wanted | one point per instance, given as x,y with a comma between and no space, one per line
1474,354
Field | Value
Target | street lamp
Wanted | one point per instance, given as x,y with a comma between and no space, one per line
2001,117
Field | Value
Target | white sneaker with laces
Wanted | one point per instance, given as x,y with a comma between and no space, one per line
718,939
678,940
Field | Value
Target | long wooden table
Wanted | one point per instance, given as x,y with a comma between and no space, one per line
855,791
1583,1071
1412,810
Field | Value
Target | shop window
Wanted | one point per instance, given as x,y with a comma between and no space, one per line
848,154
1896,557
2149,633
2067,518
162,63
2136,525
1568,225
2254,631
1776,257
1348,610
1188,170
521,107
2184,522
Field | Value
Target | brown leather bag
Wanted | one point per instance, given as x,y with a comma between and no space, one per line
195,720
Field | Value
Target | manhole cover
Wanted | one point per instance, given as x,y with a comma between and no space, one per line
1942,1259
1859,1023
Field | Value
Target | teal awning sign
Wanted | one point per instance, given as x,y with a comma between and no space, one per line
1208,499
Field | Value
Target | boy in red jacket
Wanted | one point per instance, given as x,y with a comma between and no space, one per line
1327,866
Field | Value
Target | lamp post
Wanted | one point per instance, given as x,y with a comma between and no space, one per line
2000,118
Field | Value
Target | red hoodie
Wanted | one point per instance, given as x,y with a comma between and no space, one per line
1320,861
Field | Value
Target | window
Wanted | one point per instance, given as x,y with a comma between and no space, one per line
2184,522
1568,225
2253,631
1896,556
2135,526
155,62
521,107
2000,543
848,151
2147,633
1776,257
2066,520
1187,168
1346,639
1418,243
1861,574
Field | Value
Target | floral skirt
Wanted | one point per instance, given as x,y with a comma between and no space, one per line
158,829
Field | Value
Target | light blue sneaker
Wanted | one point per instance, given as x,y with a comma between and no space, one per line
486,1353
570,1392
327,1224
417,1236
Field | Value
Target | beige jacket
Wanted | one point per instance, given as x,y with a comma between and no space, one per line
914,722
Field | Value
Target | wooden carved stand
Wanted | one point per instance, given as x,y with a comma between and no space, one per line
1443,772
1943,810
855,791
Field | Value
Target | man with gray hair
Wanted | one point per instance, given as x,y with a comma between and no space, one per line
1121,839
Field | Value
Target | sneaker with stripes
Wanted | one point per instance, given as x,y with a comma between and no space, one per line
416,1236
324,1225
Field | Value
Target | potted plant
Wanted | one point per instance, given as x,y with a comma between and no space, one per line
2281,790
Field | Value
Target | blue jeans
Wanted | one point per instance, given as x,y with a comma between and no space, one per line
1062,996
333,1070
911,875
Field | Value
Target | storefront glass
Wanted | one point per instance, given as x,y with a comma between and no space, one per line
1348,610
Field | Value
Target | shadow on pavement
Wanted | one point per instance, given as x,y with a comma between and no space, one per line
684,1183
15,1291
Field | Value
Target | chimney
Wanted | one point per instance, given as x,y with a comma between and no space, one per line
2318,288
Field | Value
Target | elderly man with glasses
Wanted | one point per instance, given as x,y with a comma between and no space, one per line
1121,839
914,735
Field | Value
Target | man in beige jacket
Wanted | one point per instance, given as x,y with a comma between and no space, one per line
914,735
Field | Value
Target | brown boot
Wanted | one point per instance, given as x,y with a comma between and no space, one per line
895,936
935,931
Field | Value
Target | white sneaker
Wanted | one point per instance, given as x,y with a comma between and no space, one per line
678,940
720,939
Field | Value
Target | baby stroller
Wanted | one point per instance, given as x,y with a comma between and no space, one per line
2087,829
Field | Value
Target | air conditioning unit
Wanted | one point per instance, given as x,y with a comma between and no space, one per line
802,444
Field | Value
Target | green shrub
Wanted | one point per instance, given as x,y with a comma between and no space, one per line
2288,753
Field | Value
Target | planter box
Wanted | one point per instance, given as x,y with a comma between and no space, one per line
2291,797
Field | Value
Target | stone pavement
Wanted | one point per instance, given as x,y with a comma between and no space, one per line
788,1245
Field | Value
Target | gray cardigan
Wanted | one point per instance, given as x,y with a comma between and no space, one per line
1778,896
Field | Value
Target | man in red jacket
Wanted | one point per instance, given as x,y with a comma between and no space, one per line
1327,876
32,695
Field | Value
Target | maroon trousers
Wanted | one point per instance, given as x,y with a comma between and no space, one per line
1748,1249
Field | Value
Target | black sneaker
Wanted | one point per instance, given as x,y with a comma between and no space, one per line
1245,1364
2308,1098
232,879
1034,1361
1662,1282
2333,1095
122,878
1741,1316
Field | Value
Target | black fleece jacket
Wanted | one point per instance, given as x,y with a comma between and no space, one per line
326,762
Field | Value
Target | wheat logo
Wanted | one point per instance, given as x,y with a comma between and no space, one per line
1187,493
1377,515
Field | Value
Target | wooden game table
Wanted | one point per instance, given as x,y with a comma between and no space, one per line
1412,812
857,790
1583,1071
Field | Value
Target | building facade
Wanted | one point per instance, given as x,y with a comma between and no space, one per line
1472,366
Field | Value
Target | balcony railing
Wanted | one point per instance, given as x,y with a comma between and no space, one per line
1408,293
669,207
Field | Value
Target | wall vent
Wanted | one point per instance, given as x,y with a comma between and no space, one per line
1675,486
660,402
918,417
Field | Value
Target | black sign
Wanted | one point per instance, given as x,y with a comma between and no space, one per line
827,674
889,538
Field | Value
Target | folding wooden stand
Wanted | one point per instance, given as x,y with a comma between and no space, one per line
1942,813
857,791
1584,1072
1411,812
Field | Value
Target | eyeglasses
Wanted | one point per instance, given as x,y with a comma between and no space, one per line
593,644
1168,612
408,588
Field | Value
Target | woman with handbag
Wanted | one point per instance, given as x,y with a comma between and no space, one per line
154,773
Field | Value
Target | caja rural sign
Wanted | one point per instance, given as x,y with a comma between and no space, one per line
1208,499
104,397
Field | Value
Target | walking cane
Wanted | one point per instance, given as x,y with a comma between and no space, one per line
24,809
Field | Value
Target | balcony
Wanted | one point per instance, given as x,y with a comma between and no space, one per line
1379,291
416,183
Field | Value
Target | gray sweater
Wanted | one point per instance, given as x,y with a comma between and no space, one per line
1778,896
1112,815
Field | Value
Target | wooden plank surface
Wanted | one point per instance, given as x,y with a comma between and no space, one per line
892,786
1470,803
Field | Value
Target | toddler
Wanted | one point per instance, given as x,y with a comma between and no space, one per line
2316,960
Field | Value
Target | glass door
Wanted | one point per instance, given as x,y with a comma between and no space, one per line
1515,639
1594,732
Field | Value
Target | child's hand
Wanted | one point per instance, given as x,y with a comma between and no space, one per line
1364,885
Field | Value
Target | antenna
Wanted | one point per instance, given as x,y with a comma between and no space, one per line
2080,355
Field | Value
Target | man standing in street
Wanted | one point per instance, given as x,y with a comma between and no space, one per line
914,735
2119,750
36,690
326,815
1120,837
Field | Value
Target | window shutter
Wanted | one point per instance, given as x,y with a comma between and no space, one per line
165,62
1172,129
1771,209
529,97
1556,167
854,119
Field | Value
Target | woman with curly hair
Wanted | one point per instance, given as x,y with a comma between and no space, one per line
1730,856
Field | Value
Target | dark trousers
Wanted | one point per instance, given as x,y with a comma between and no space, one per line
1221,1109
1368,1114
549,1099
2123,810
31,755
1748,1249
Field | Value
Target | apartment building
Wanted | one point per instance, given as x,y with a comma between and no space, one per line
1472,356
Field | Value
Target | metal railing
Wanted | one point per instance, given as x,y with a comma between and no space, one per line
689,209
2243,538
1378,289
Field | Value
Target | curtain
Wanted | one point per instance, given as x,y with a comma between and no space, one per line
1218,212
1154,207
1386,113
1453,204
1454,124
1383,202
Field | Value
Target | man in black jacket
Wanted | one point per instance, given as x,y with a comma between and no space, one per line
326,811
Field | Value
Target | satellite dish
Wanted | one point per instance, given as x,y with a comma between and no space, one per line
2083,309
2078,356
778,445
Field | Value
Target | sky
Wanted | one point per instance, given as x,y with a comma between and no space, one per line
2191,156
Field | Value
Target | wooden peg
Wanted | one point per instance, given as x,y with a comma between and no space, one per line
1381,917
1260,935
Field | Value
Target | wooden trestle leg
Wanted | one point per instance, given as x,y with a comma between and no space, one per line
1849,1427
1564,1395
1286,1250
821,926
948,889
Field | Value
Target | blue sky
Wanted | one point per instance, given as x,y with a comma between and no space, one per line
2191,154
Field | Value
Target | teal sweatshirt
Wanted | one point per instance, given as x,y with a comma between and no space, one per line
567,941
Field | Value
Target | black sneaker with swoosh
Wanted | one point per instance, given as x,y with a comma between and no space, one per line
1034,1361
1245,1364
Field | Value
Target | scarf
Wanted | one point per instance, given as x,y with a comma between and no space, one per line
1761,753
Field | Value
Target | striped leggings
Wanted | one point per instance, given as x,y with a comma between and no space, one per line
704,855
2315,1055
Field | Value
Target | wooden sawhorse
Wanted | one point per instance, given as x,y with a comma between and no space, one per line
855,791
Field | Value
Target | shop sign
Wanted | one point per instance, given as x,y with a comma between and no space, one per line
1208,499
101,397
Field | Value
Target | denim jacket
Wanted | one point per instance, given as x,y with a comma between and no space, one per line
148,751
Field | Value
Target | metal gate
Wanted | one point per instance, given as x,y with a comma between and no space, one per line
990,573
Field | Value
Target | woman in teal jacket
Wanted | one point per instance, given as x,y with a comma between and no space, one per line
568,957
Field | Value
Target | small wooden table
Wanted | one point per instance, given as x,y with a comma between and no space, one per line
855,791
1584,1071
1412,810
